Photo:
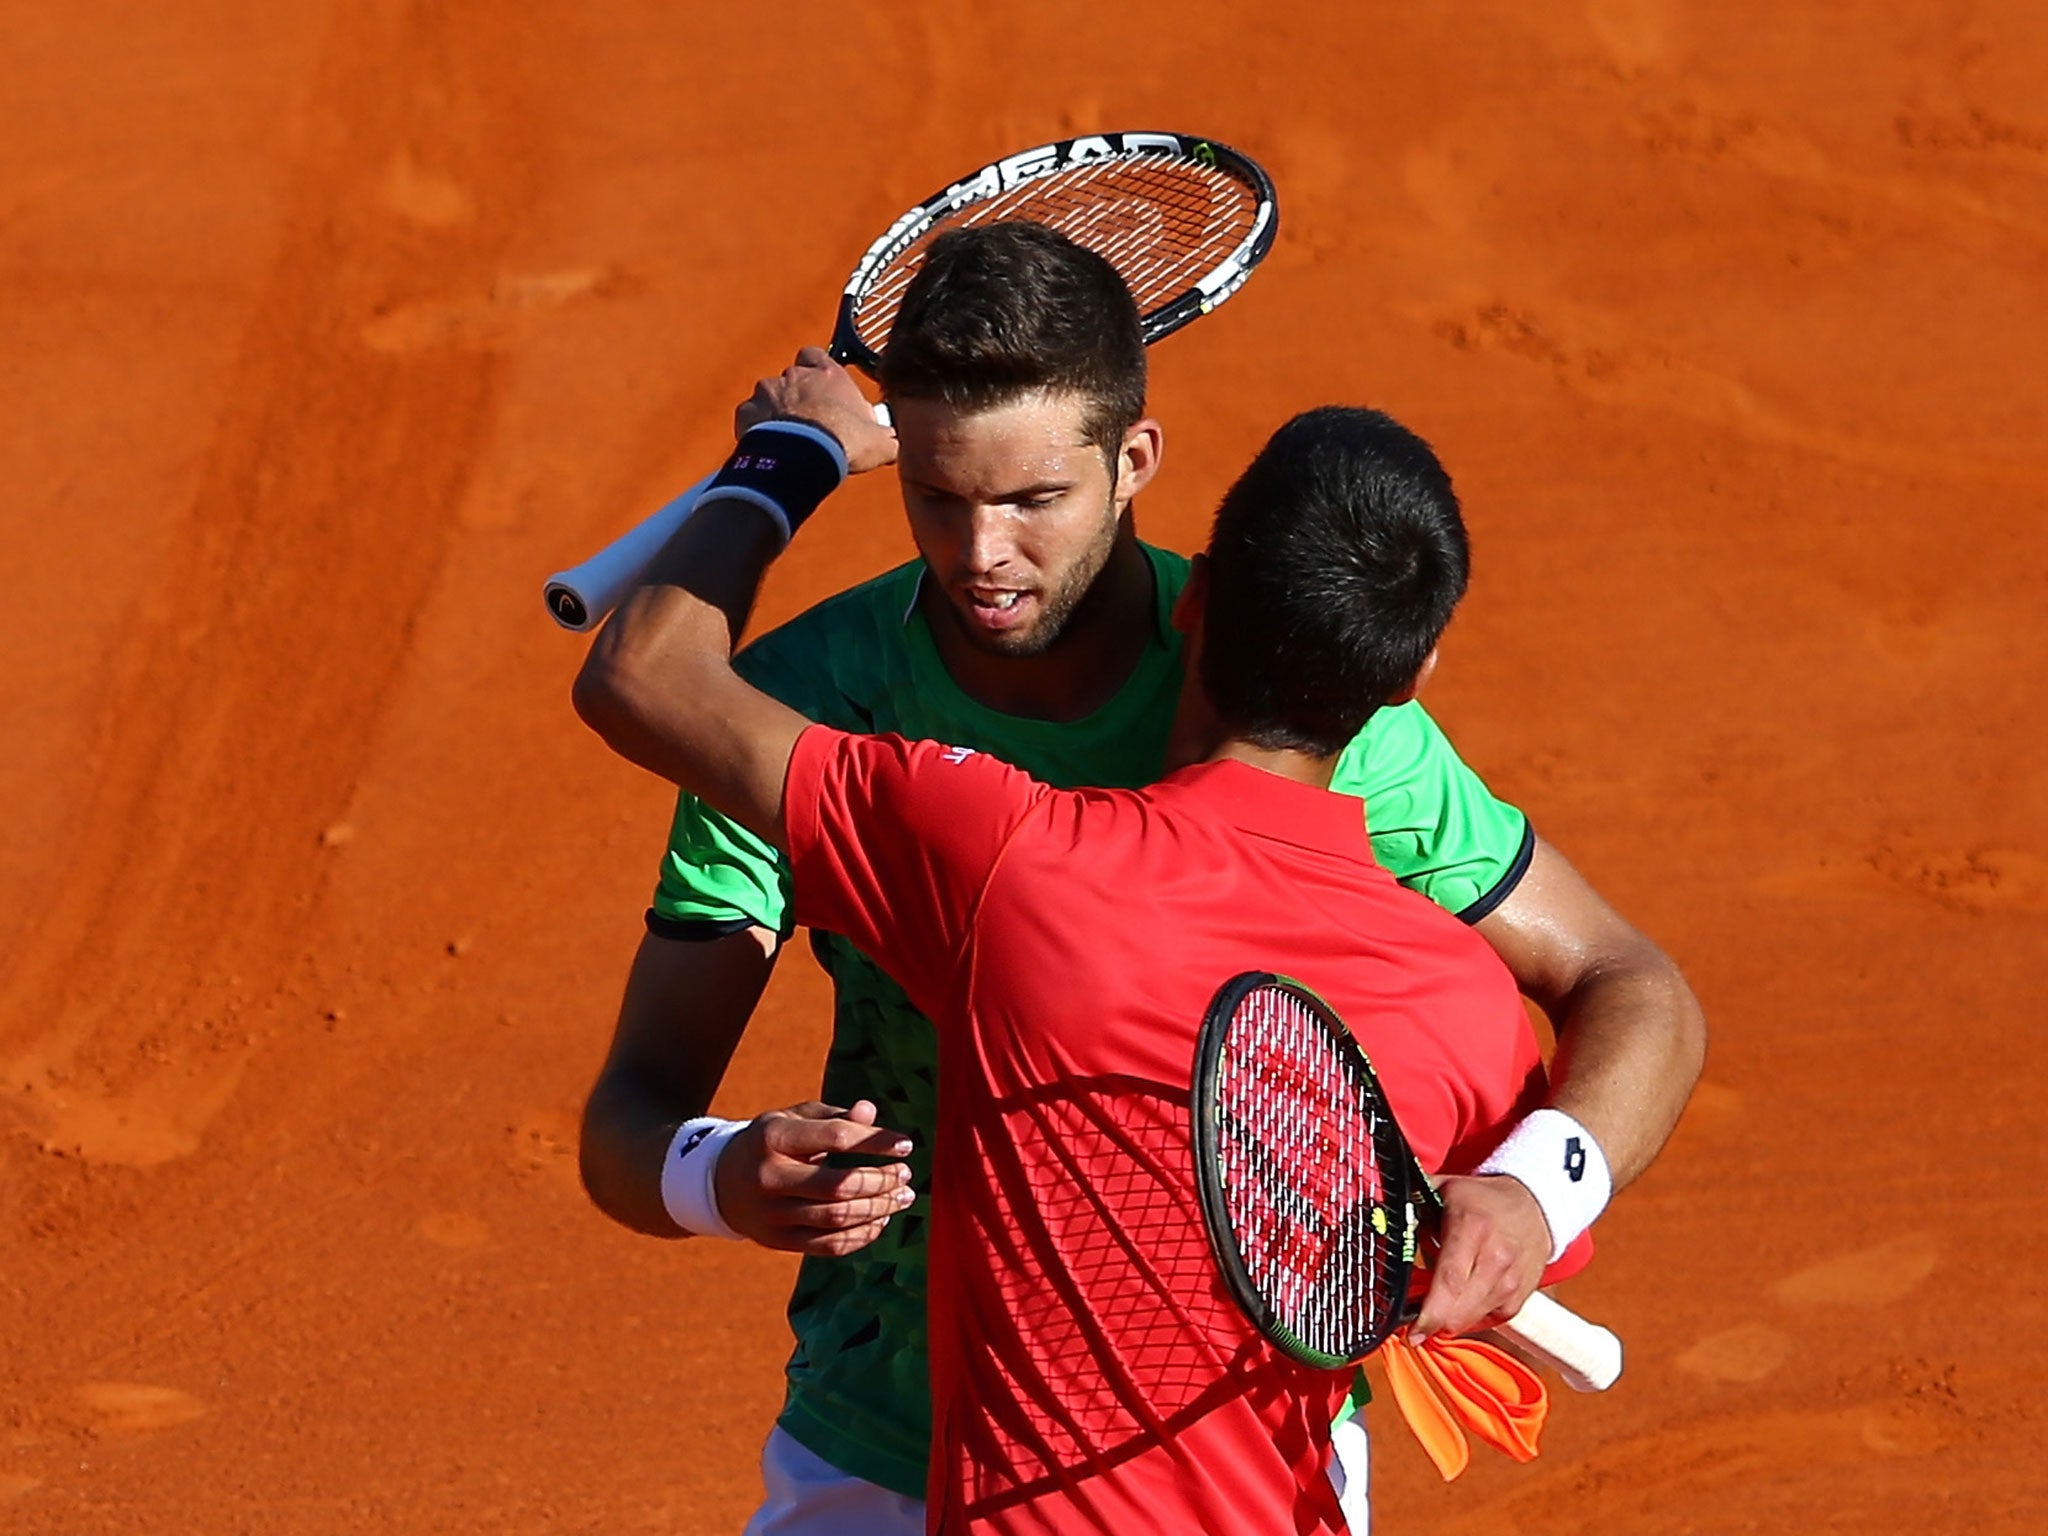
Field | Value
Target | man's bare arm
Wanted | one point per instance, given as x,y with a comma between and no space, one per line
658,683
1631,1038
686,1005
658,686
684,1010
1631,1041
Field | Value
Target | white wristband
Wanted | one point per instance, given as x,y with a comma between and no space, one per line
1562,1166
687,1171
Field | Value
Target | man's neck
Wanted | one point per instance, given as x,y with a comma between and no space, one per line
1079,672
1298,766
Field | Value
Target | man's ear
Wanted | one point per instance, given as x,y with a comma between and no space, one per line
1422,676
1193,599
1138,459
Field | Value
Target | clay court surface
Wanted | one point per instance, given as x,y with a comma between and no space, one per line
328,330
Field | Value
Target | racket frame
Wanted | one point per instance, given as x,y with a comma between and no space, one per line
1398,1199
1586,1356
1001,177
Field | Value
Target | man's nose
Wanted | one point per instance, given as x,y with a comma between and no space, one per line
989,543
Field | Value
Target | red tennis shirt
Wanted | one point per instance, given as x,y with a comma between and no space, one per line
1089,1371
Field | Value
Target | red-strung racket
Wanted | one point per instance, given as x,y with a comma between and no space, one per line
1315,1204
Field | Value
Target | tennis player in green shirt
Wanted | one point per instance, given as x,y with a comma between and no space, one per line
1034,627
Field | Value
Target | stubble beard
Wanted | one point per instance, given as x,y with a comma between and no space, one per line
1061,604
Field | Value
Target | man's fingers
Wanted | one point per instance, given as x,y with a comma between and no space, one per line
1459,1286
1447,1307
828,1242
843,1215
810,1109
838,1244
818,390
1492,1253
1460,1305
774,1186
806,1139
1481,1283
821,1186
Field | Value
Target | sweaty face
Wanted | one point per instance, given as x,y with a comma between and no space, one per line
1013,512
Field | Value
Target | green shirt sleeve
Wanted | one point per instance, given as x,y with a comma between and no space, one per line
1435,826
716,872
716,875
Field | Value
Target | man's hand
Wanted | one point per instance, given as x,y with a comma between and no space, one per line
774,1189
818,390
1494,1247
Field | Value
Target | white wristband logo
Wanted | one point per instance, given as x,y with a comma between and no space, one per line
1574,1159
688,1171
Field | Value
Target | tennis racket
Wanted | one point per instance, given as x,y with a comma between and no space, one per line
1315,1204
1183,220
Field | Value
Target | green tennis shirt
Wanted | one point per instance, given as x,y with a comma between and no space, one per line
858,1392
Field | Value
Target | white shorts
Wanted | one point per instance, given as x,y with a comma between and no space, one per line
808,1496
1349,1466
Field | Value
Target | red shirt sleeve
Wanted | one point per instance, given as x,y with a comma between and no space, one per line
891,843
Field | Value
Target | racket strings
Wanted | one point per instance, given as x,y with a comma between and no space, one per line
1301,1156
1164,223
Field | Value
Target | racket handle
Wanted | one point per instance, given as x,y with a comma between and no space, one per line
1585,1356
581,596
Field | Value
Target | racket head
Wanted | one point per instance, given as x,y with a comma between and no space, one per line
1184,220
1306,1183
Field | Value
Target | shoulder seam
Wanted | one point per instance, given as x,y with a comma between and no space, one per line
1511,877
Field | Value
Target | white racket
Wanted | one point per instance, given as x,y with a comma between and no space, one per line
1184,221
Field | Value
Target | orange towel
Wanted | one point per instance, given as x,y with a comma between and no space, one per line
1446,1382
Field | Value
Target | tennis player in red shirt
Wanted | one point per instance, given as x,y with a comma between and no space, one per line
1089,1373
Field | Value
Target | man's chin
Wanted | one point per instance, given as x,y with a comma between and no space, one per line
1033,637
1025,640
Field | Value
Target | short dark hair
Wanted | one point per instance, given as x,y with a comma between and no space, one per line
1334,565
1002,310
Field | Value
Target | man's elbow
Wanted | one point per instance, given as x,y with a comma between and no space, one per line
1642,975
649,718
604,1162
604,694
595,1157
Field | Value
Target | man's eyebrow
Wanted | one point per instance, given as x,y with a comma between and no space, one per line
1046,487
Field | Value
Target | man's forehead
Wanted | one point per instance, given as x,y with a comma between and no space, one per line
1040,424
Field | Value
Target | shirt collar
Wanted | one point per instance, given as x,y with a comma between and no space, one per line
1280,808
